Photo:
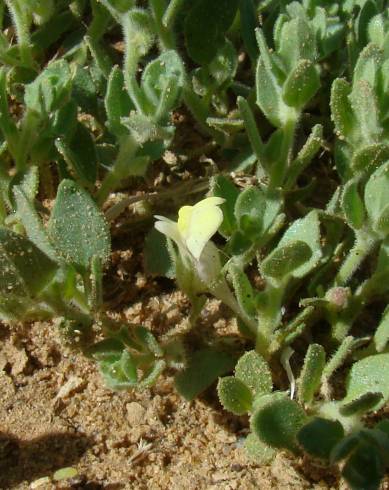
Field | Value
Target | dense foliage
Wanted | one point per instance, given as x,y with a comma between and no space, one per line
292,98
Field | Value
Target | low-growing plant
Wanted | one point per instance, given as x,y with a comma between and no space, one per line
280,110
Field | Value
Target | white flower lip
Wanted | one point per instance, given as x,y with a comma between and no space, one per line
195,226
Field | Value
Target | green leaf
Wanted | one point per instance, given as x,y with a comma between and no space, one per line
370,157
212,18
297,42
50,89
80,153
223,187
84,91
248,22
284,260
341,111
163,80
138,31
309,380
366,109
369,376
381,336
319,436
258,451
32,223
24,269
157,259
203,368
255,373
117,102
364,469
224,65
277,420
243,290
234,395
268,87
364,403
368,65
352,205
376,199
77,227
301,85
306,229
249,209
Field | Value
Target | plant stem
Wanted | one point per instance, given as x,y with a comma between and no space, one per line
278,168
19,16
131,59
171,13
252,132
269,318
165,34
119,170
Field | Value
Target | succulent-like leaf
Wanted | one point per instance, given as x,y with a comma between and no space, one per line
157,259
77,227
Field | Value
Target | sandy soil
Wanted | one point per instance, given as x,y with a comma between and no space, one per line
55,412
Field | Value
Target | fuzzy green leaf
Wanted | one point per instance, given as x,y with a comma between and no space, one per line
306,229
341,112
33,224
369,376
376,199
301,85
277,421
319,436
204,367
365,468
381,336
258,451
234,395
309,380
358,406
212,18
284,260
352,205
255,373
117,102
24,269
157,259
243,290
223,187
80,153
77,227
